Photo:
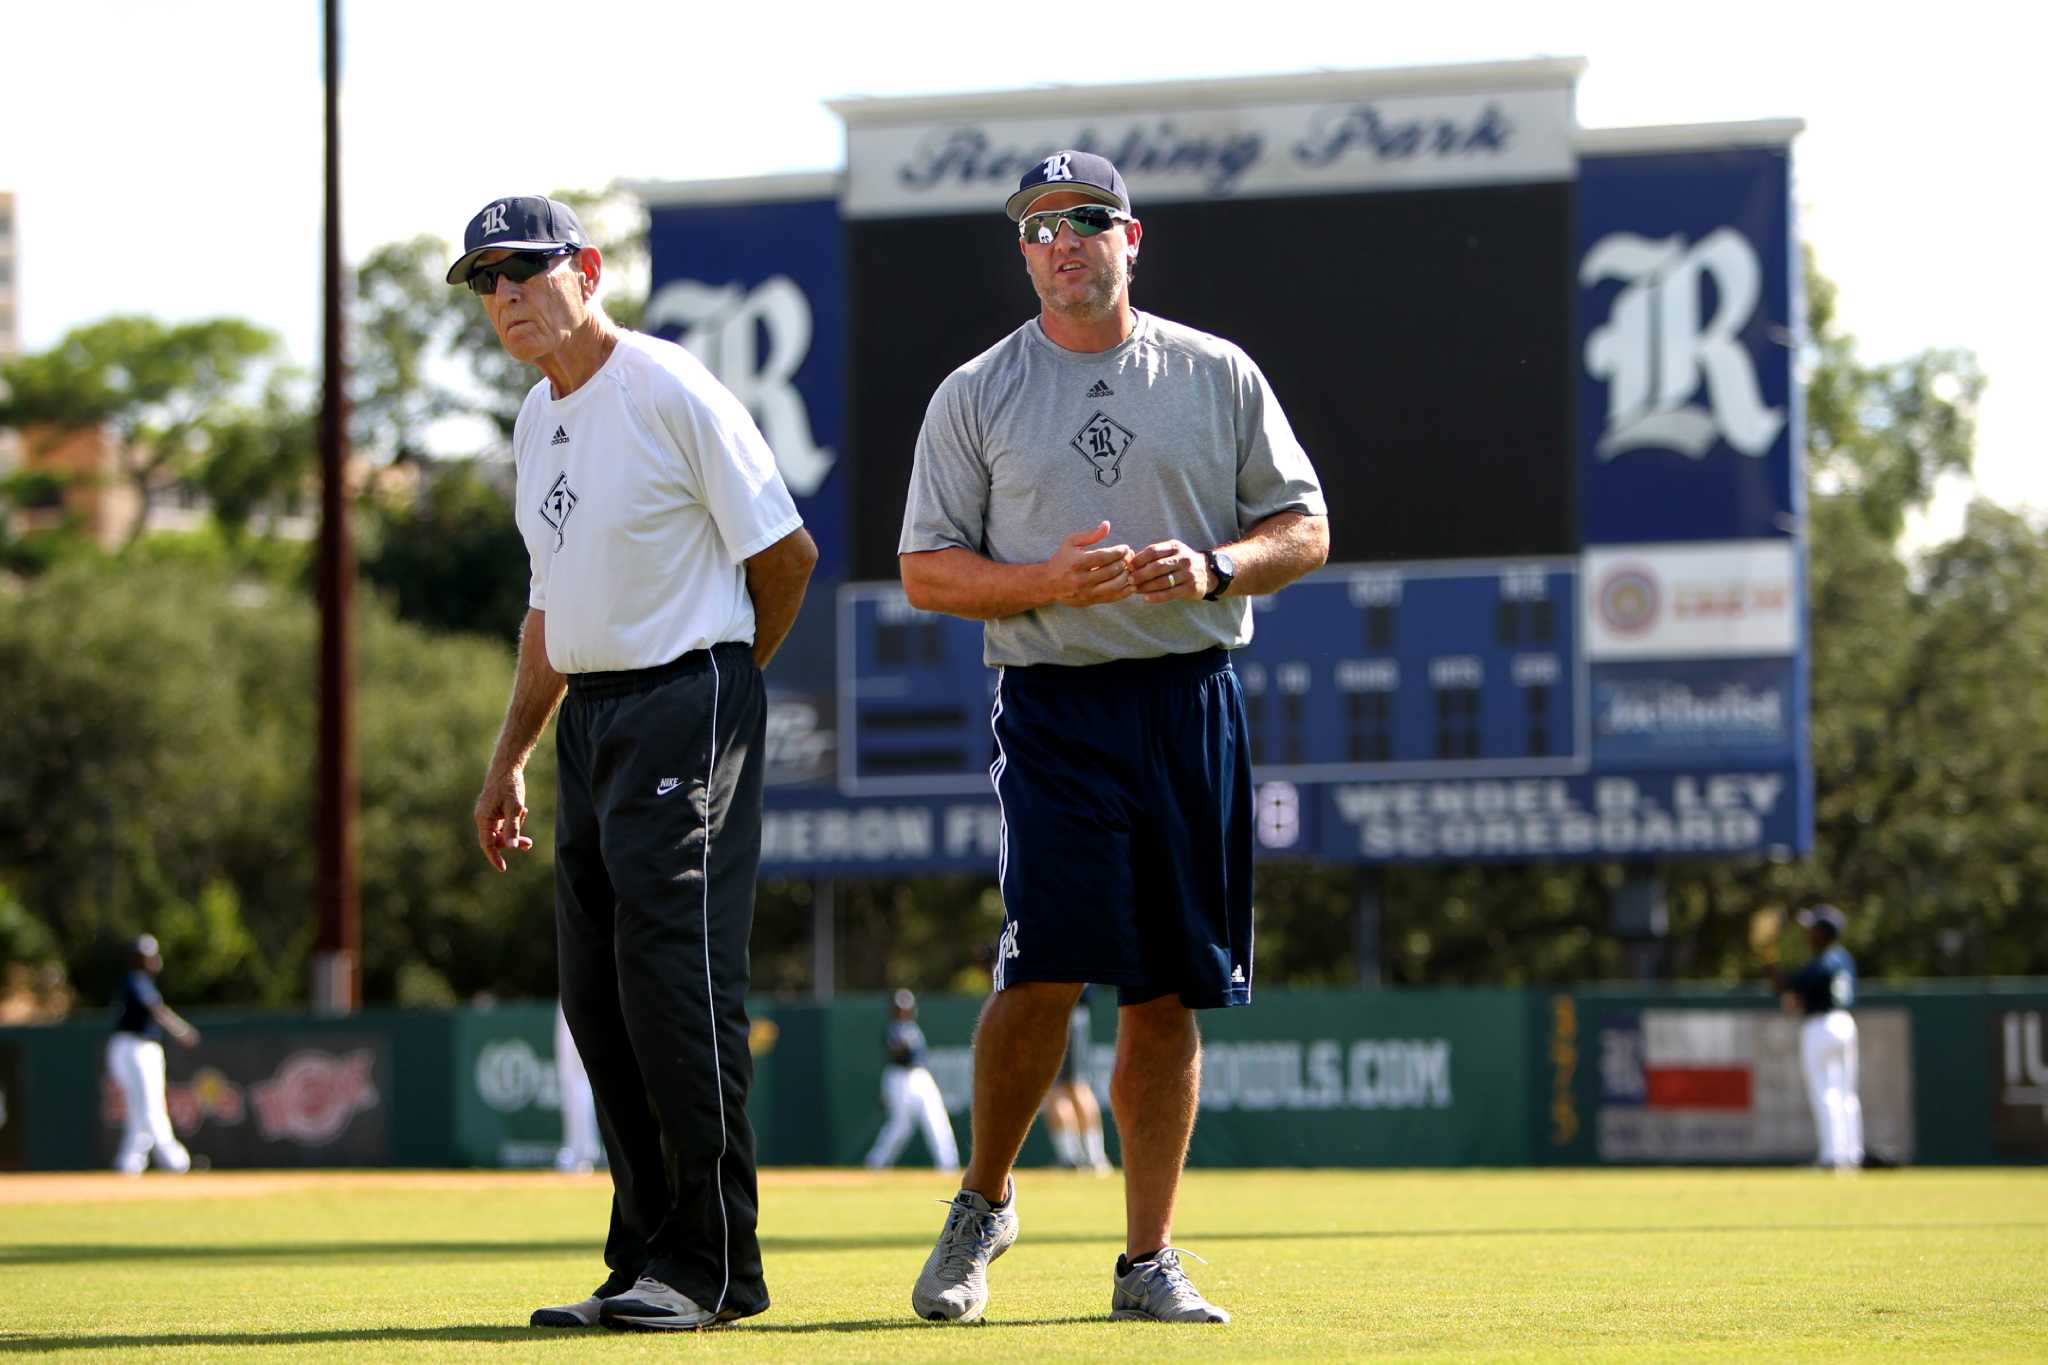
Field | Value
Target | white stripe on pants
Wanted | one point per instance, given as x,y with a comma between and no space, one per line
137,1066
912,1096
1827,1054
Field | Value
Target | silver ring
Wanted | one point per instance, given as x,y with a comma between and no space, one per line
1169,580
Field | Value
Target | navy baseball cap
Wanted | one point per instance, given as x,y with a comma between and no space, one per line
1823,914
527,222
1081,172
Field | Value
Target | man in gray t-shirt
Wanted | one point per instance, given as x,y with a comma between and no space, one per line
1106,490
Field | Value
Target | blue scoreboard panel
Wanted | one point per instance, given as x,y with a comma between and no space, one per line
1365,672
1552,406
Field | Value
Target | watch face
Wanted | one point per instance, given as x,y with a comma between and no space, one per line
1226,565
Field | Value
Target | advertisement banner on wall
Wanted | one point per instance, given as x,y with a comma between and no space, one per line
2019,1082
1726,1085
1688,410
1330,1078
1711,710
510,1091
273,1100
1692,601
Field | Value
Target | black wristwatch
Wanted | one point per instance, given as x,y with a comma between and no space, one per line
1221,572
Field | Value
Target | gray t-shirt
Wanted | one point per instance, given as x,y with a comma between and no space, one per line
1173,434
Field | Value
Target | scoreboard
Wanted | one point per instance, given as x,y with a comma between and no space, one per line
1545,374
1356,673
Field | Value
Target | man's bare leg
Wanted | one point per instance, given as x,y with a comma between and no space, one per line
1157,1081
1017,1050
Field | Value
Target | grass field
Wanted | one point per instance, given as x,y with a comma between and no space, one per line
1508,1265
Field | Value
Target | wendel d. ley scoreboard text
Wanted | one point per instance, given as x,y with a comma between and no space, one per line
1545,373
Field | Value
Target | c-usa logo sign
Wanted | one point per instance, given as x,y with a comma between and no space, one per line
1655,350
723,326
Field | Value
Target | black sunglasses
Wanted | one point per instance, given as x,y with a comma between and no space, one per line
1085,219
519,267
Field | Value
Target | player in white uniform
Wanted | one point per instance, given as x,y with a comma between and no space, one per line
135,1059
910,1096
1824,991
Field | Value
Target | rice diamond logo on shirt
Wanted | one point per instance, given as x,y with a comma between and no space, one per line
1102,443
557,505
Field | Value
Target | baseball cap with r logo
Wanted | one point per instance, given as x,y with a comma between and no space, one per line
1084,173
527,222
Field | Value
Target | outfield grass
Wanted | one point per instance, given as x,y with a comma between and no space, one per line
1509,1265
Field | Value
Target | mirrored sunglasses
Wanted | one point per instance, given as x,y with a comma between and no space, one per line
1085,219
519,267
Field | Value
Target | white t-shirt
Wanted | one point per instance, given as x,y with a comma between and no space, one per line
640,495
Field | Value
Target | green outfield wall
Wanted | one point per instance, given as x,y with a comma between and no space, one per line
1953,1073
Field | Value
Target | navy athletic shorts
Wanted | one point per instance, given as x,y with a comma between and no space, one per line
1126,797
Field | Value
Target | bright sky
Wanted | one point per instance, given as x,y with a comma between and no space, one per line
167,157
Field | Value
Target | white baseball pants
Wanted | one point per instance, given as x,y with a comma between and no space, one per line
1827,1054
911,1096
137,1066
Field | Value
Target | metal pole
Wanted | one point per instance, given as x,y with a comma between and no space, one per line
336,985
1369,901
824,946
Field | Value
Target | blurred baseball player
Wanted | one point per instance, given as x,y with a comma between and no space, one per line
1073,1119
1824,991
581,1151
909,1094
135,1059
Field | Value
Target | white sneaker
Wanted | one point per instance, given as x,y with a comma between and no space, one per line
954,1284
1158,1290
653,1306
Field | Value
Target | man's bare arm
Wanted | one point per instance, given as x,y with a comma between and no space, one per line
1268,557
959,582
536,691
776,578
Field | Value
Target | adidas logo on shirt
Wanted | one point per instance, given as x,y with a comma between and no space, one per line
561,437
1101,390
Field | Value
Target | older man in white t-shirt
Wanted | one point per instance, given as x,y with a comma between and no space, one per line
668,562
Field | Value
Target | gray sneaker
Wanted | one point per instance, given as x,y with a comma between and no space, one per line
653,1306
583,1313
1158,1290
954,1285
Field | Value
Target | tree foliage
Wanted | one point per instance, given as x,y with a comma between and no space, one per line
156,774
162,390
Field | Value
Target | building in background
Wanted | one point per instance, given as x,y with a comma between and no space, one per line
10,271
10,311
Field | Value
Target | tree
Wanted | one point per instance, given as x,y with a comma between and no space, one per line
159,388
424,352
453,558
156,773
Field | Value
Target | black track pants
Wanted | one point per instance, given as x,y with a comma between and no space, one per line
657,842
